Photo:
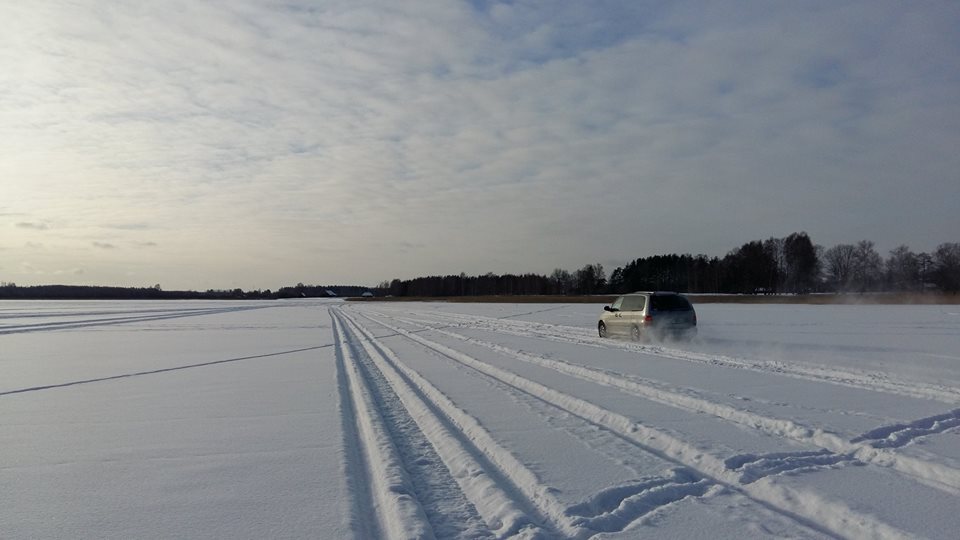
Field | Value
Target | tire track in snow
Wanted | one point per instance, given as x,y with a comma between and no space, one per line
447,509
384,479
354,460
615,508
899,435
156,371
867,380
64,325
869,448
612,510
808,508
40,314
489,475
754,467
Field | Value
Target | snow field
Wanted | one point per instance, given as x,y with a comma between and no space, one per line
677,450
324,419
867,447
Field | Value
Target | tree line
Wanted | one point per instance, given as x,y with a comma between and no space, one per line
788,265
10,291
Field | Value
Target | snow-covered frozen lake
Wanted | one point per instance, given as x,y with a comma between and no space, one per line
325,419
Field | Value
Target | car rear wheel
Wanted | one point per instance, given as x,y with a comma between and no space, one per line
635,333
602,330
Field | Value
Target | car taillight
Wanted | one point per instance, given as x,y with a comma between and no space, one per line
648,319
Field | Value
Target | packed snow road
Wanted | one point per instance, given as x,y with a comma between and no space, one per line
419,420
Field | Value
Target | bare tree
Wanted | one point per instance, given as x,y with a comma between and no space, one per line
562,281
600,278
840,263
903,270
925,269
590,279
867,266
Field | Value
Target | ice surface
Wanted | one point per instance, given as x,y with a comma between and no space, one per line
325,419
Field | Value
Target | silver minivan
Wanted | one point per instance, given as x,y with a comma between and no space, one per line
649,315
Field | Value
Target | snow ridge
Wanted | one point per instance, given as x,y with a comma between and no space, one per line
615,508
754,467
902,434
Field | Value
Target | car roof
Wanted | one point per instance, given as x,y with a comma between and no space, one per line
652,293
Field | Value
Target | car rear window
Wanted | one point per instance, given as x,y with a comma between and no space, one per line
670,303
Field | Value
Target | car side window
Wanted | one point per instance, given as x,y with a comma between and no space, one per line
617,303
633,303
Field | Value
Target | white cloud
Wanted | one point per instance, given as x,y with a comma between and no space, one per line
265,143
34,226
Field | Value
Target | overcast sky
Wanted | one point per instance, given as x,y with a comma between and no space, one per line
256,144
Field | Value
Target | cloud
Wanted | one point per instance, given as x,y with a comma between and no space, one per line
127,226
258,142
104,245
29,269
34,226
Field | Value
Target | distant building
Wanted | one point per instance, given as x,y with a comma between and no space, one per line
367,294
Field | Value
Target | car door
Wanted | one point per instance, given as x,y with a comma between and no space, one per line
615,321
632,312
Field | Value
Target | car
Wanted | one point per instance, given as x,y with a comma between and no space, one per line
649,316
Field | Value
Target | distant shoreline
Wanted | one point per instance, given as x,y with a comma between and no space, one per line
810,299
698,298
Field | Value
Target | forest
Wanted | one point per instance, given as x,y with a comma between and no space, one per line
789,265
10,291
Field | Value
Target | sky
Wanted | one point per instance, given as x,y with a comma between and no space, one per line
256,144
